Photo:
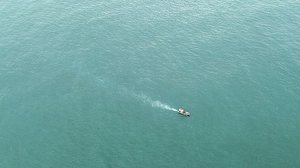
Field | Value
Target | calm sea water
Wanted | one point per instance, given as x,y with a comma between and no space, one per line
92,84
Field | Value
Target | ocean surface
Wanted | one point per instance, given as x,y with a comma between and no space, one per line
94,84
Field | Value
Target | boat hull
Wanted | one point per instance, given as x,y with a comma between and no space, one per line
184,113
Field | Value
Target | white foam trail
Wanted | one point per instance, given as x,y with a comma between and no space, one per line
161,105
156,103
148,100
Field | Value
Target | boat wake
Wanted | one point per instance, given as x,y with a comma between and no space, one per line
161,105
147,100
156,103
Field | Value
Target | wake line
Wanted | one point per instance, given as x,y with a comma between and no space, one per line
156,103
161,105
148,100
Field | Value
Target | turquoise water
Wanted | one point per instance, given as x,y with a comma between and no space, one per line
92,84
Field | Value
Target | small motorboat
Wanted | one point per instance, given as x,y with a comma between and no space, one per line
183,112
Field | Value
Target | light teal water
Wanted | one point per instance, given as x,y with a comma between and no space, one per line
85,84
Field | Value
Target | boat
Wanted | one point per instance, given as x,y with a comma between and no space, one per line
183,112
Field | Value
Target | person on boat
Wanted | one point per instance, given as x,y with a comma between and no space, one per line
181,110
